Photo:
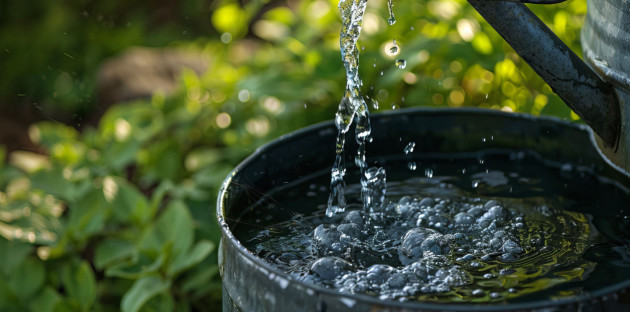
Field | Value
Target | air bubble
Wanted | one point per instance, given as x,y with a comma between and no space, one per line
329,268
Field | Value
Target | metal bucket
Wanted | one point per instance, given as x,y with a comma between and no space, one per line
606,45
250,284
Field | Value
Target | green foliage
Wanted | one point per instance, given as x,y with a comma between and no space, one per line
51,59
121,216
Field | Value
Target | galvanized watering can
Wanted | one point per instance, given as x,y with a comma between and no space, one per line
598,90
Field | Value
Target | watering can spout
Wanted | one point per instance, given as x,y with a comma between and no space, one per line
592,98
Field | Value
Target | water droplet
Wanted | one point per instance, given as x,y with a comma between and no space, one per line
428,172
374,103
244,95
226,37
411,165
401,63
409,148
393,50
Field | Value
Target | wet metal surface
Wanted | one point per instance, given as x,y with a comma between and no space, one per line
251,284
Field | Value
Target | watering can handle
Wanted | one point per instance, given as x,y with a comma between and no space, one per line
592,98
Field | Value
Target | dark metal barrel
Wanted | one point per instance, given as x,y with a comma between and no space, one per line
251,284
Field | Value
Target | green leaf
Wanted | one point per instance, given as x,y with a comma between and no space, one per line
49,133
45,301
27,278
174,225
120,121
14,253
138,268
117,155
199,277
196,255
68,153
162,160
143,290
127,203
53,182
7,296
80,284
87,216
112,251
66,305
160,192
162,302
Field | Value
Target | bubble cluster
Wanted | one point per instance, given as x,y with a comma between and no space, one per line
423,247
429,243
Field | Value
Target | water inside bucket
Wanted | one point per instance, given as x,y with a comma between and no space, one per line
483,227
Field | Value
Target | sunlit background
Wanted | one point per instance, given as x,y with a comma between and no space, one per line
119,120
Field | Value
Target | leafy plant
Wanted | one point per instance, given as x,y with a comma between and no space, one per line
121,216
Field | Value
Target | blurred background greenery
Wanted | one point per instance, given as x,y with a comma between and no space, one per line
119,120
